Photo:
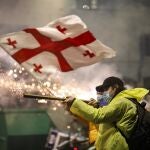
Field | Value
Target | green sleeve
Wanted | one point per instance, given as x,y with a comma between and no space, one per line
108,113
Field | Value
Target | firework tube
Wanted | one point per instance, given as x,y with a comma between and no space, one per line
49,98
43,97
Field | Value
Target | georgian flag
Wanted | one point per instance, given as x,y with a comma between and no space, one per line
65,44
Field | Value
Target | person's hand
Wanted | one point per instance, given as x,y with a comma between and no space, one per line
93,103
69,101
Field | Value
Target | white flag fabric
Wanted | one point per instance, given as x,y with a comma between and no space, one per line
65,44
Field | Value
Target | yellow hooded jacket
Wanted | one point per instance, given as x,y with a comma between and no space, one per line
120,112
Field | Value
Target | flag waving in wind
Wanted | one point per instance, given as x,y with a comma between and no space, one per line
65,44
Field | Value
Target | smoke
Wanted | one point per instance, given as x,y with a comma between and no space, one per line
117,25
114,25
87,78
81,83
32,12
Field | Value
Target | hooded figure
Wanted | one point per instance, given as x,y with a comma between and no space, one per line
118,112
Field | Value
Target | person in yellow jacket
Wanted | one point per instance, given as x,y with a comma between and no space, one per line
118,113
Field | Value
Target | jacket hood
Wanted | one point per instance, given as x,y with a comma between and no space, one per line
137,93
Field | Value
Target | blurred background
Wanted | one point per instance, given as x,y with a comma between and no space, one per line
122,25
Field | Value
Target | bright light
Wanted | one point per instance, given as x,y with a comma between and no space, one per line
22,68
20,71
42,101
86,7
10,72
15,75
68,127
54,108
15,70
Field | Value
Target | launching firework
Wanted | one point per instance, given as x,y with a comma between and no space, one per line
43,97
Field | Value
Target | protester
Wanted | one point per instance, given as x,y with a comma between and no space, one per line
118,113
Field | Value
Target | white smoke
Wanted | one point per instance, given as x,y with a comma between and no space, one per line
87,78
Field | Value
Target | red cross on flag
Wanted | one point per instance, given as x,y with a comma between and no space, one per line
65,44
